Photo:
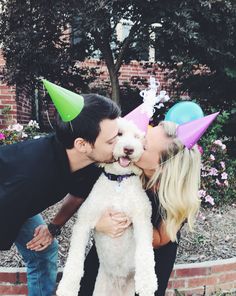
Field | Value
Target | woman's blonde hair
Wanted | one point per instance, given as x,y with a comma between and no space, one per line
177,181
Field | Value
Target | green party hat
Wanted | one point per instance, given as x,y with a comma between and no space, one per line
67,103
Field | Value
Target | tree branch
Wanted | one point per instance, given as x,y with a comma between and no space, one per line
125,45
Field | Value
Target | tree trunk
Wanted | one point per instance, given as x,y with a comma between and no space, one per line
113,69
115,87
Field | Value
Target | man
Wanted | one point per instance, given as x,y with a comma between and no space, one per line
36,174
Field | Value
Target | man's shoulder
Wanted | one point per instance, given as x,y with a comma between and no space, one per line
92,170
42,140
84,179
33,154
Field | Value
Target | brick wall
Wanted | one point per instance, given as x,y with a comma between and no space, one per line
24,106
127,72
7,99
13,281
19,104
189,279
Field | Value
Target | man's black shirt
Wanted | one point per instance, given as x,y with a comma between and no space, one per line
34,175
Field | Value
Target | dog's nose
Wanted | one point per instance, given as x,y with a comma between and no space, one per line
128,150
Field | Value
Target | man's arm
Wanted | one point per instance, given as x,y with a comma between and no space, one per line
69,206
111,223
42,236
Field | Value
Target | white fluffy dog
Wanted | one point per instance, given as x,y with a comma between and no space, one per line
126,262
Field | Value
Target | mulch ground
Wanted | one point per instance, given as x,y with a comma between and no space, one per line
214,238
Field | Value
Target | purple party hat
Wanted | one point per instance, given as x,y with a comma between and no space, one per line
189,133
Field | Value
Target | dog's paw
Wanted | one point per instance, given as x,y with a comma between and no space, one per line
66,291
146,284
145,292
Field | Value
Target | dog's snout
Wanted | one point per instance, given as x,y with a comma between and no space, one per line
128,150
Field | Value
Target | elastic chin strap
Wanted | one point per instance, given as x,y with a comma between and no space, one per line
71,127
49,121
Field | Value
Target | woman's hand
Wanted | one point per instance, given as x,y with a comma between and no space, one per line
113,223
42,239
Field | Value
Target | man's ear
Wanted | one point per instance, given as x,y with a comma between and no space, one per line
82,146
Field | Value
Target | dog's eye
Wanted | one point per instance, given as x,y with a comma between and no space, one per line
120,134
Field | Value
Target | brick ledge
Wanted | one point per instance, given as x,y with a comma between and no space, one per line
189,278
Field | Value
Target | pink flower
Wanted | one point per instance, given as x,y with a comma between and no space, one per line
202,166
226,183
33,123
201,193
200,149
218,142
204,174
15,127
2,136
201,216
24,135
213,172
218,182
223,146
222,164
224,176
212,157
209,199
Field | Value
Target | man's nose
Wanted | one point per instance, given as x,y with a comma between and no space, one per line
128,150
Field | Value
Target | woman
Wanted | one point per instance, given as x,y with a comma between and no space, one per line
172,171
171,178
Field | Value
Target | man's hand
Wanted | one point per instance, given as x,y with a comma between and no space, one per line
42,239
113,223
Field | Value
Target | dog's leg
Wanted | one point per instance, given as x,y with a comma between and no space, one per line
106,285
74,267
145,277
129,288
101,285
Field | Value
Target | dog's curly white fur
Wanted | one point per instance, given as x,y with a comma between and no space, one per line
126,262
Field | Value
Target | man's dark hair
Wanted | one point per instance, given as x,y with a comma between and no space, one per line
87,124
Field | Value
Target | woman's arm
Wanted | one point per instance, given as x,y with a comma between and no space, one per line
160,237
